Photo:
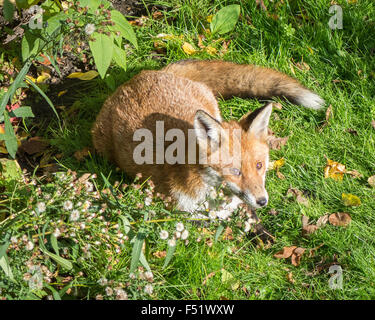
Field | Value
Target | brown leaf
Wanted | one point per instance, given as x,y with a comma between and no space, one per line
210,275
322,221
160,254
84,177
228,234
289,277
261,4
341,219
276,143
278,106
329,114
298,194
81,154
355,174
352,131
285,253
313,250
297,255
34,145
280,175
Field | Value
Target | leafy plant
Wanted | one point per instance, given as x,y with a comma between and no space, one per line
225,19
94,21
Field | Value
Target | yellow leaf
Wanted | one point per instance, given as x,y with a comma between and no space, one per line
209,18
276,165
30,78
89,75
188,48
225,276
311,50
211,50
43,77
334,170
61,93
350,199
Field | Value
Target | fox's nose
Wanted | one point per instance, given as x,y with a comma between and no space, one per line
261,201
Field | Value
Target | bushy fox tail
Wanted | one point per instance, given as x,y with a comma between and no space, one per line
227,79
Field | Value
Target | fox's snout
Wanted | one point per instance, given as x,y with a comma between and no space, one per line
255,201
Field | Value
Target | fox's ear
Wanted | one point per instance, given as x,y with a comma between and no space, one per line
207,128
256,122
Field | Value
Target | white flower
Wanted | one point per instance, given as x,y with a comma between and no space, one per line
177,235
223,214
172,242
89,186
89,29
102,281
180,227
29,246
148,201
14,240
212,215
74,215
108,291
184,234
121,294
57,233
68,205
149,289
164,235
149,276
41,206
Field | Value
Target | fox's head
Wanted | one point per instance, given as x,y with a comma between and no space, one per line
237,153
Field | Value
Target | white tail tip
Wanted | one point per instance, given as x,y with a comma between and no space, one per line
310,100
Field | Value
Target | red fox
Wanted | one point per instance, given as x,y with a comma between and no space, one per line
182,96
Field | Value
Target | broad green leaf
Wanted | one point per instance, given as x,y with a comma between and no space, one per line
137,249
11,170
102,50
119,56
54,244
8,10
22,112
10,137
54,23
126,224
110,81
61,261
25,4
125,28
91,4
225,19
29,45
168,258
55,293
144,262
4,261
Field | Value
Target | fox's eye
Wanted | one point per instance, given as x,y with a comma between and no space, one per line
235,171
259,165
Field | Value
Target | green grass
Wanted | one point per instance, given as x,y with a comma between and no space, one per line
300,33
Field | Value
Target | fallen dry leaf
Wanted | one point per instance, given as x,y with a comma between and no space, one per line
211,50
355,174
210,275
329,114
188,48
322,221
81,154
34,145
228,234
352,131
307,228
371,181
297,255
334,170
276,143
160,254
340,219
89,75
298,194
350,200
285,253
278,106
289,277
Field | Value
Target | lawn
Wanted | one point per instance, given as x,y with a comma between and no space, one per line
99,236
